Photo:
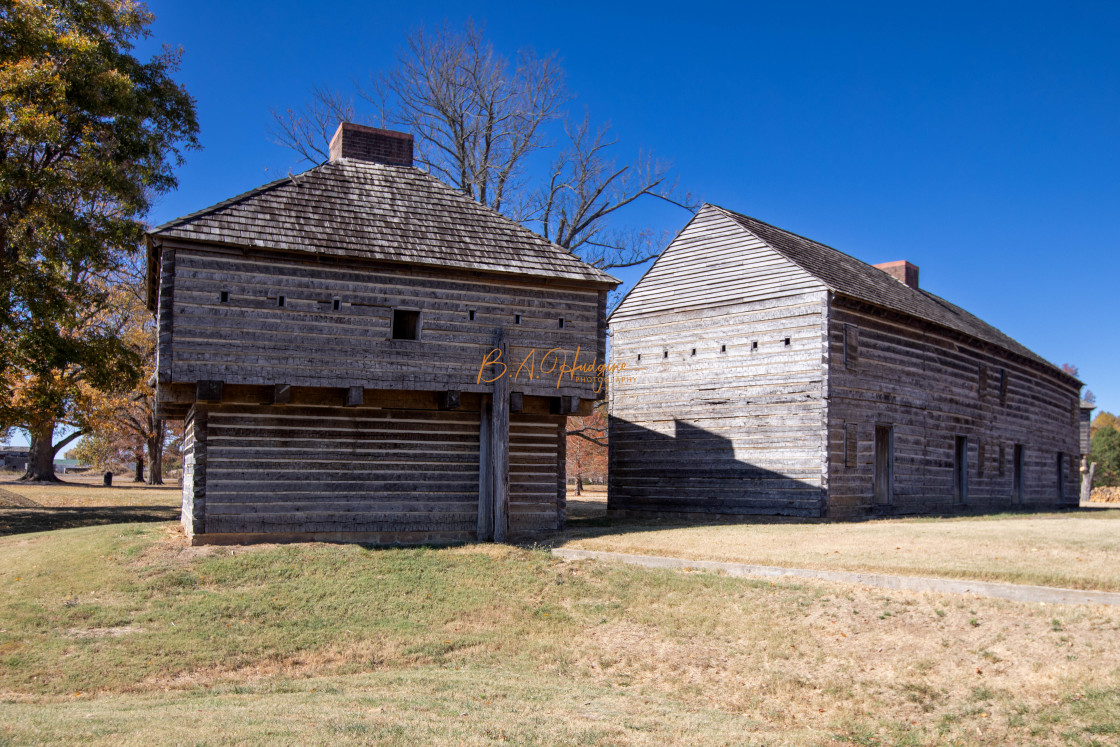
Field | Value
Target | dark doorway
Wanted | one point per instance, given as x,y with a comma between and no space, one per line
1017,481
884,465
960,470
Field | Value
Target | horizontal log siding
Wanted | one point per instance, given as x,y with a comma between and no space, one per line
284,470
713,261
250,340
926,384
535,500
734,432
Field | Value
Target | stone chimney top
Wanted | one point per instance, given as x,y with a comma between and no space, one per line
362,143
902,271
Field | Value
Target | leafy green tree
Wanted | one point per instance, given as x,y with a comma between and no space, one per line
89,134
1103,419
1106,453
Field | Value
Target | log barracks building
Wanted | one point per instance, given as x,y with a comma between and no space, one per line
771,374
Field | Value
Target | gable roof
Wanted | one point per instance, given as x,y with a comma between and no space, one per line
385,212
850,277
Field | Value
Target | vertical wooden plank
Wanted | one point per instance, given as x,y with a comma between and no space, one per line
499,447
355,395
485,475
561,476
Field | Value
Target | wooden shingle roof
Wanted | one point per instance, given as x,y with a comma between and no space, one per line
384,212
850,277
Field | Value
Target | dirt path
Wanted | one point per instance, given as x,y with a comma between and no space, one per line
1015,592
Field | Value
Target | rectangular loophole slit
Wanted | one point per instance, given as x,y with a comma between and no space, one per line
787,342
223,297
406,324
960,470
517,319
723,348
883,488
280,301
754,345
664,353
470,315
336,304
561,322
1017,467
693,352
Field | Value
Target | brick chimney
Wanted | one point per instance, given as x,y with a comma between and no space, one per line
362,143
902,271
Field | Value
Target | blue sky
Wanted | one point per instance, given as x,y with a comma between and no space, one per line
977,140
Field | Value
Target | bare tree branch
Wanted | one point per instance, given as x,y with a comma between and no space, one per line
308,131
586,188
476,118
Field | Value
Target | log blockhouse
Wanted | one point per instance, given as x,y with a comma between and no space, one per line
323,338
771,374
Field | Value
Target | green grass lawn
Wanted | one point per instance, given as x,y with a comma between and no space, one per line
123,634
1079,549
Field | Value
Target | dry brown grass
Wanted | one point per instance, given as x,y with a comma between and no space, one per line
1079,550
124,635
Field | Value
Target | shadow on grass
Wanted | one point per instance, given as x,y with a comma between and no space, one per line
24,520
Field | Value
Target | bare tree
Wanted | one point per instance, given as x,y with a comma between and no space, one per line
586,187
475,115
308,130
476,118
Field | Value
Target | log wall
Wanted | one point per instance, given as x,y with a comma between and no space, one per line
249,339
719,407
357,474
931,387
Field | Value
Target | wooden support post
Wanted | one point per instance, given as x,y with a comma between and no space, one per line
561,476
209,391
516,402
485,532
565,405
354,396
499,447
450,399
281,394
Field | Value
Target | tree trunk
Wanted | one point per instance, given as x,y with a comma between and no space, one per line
139,475
579,484
1087,474
155,455
40,455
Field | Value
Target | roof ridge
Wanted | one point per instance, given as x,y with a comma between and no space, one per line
854,281
735,214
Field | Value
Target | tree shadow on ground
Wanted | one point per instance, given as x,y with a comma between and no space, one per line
24,520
